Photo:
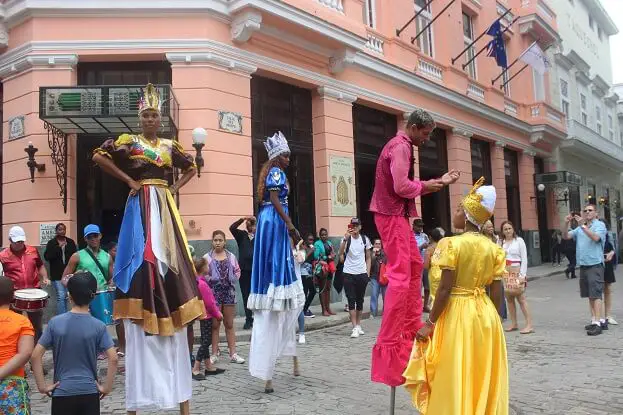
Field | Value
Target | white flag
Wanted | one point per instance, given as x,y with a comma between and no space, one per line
536,58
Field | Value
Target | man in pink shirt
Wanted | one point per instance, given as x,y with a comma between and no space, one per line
393,203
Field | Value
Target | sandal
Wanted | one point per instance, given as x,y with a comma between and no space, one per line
527,331
508,330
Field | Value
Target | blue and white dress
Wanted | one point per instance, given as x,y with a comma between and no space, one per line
277,295
274,285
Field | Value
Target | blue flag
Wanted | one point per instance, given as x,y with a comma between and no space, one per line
496,48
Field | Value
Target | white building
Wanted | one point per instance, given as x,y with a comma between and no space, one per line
581,83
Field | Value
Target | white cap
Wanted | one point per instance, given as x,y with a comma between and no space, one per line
17,234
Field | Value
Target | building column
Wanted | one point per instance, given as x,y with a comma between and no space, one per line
529,220
460,158
214,92
555,215
25,203
333,145
499,181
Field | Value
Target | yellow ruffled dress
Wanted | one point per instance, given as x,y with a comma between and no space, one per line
463,369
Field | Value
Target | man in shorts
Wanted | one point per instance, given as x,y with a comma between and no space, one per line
590,238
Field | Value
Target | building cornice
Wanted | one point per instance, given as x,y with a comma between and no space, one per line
212,59
25,63
336,94
601,15
181,48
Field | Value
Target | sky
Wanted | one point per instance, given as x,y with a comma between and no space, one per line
615,10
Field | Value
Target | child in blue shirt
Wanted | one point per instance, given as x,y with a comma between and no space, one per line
75,339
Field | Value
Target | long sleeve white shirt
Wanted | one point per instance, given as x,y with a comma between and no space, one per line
516,251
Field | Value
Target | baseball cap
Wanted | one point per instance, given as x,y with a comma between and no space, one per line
91,229
17,234
355,221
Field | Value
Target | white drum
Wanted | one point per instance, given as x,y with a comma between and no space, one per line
30,299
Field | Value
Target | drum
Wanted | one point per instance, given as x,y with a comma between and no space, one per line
30,299
101,306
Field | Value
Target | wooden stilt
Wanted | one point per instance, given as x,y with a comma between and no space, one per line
392,401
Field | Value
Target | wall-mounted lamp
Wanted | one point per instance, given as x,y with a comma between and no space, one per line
603,201
562,197
31,163
540,188
199,140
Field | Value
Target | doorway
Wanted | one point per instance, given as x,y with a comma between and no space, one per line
371,130
101,198
276,106
433,164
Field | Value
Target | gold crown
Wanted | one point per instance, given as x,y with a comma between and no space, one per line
472,203
149,100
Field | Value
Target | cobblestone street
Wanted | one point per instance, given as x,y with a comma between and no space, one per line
557,370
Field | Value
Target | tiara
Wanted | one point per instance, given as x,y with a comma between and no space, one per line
150,99
276,145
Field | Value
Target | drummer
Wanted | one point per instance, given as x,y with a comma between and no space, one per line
92,259
22,264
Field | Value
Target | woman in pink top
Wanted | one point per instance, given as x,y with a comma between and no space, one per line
212,311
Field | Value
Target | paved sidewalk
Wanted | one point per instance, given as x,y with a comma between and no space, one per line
341,317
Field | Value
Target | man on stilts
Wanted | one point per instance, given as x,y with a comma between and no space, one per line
393,203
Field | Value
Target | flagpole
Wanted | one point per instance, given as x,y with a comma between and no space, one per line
402,29
514,76
487,45
479,37
514,62
413,39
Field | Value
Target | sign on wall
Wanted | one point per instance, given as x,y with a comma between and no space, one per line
230,121
47,232
342,171
536,240
17,127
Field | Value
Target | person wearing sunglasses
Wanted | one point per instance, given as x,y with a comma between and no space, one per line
590,238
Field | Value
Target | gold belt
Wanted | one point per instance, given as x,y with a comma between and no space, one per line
467,292
154,182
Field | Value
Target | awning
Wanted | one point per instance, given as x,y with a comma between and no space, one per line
102,109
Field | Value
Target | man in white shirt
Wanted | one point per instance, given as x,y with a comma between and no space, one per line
355,253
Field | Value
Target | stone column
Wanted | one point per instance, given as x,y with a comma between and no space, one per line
333,136
207,86
499,181
27,203
459,158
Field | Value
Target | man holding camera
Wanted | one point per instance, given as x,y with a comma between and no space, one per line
590,238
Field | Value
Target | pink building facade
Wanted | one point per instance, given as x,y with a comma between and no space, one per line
331,74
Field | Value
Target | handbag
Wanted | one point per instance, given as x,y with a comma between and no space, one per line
514,284
383,280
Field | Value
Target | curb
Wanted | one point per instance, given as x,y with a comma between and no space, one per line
549,274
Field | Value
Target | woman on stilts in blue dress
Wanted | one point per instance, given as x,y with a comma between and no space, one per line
277,295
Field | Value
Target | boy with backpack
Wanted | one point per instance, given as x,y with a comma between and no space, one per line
355,254
76,338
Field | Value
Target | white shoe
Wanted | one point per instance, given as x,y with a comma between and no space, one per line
612,321
235,358
360,330
301,339
213,359
355,333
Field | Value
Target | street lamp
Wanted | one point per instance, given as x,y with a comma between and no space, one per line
31,163
199,140
541,188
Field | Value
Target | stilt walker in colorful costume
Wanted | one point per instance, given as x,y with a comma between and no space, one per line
277,296
459,364
393,203
157,295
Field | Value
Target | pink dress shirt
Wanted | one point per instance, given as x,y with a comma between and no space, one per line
393,191
209,301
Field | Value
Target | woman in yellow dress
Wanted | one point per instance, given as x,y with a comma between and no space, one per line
458,365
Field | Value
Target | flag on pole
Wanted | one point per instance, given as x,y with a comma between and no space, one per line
496,48
535,57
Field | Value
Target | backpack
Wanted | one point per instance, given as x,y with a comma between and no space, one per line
365,242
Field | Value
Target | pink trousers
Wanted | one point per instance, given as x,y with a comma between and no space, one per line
402,310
